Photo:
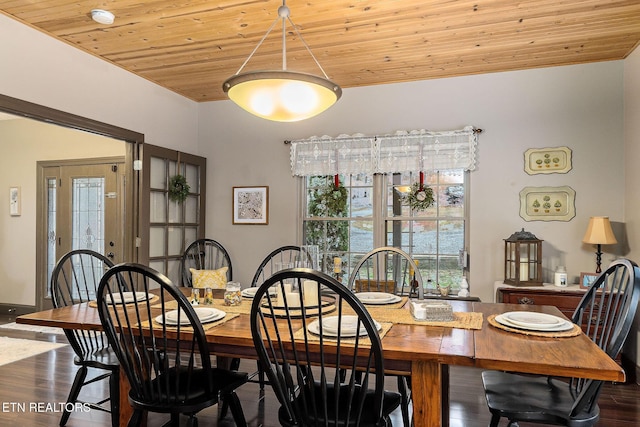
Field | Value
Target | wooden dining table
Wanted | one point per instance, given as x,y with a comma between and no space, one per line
424,352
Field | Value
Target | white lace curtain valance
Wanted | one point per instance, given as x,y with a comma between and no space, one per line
402,152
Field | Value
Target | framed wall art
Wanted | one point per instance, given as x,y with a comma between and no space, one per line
251,205
15,202
547,203
586,279
547,160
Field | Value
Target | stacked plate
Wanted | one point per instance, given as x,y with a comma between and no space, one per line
348,327
378,298
533,321
127,297
251,292
205,315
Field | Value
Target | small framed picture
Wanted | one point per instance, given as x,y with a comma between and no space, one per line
587,279
15,203
251,205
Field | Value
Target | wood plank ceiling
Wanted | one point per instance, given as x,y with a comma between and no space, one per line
191,47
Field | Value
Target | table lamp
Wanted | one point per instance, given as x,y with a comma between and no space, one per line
599,233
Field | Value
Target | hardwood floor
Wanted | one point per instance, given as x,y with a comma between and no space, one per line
47,378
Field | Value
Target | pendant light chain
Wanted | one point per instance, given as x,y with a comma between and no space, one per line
256,48
307,47
283,13
282,95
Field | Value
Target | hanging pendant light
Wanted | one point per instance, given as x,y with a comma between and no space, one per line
282,95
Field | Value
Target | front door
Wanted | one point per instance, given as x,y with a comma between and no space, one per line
84,209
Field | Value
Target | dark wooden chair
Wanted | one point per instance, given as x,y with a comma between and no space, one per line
168,366
387,269
204,254
302,363
75,280
288,254
606,314
391,270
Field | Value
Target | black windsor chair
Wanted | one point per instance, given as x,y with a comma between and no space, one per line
204,254
75,280
606,314
301,350
166,357
390,270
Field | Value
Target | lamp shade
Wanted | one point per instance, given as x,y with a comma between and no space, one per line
282,96
599,231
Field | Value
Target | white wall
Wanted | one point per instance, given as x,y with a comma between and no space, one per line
24,142
39,69
576,106
632,172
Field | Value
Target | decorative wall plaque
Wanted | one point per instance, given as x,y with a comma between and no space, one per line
547,203
547,160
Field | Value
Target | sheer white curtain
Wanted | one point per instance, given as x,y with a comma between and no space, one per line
418,150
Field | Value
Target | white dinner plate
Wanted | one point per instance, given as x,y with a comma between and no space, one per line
205,315
533,319
377,298
251,292
330,327
563,326
127,297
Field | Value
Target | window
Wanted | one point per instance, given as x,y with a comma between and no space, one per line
366,211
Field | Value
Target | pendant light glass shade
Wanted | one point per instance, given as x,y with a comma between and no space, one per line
282,95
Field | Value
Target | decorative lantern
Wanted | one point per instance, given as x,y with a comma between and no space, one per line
523,259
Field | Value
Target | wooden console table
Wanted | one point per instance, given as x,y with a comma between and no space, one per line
566,299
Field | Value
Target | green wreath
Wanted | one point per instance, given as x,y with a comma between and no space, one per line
178,188
419,198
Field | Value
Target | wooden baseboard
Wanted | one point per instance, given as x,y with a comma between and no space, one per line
16,309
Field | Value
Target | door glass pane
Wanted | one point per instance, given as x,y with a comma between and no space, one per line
157,171
157,211
51,228
172,168
88,214
157,265
173,272
175,212
156,241
175,241
192,175
191,210
190,234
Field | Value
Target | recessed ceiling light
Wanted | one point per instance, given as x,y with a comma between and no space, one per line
102,16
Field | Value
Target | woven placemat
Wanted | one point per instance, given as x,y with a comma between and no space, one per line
384,328
395,305
461,320
152,300
573,332
205,326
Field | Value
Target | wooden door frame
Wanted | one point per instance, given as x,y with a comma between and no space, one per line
41,216
41,113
